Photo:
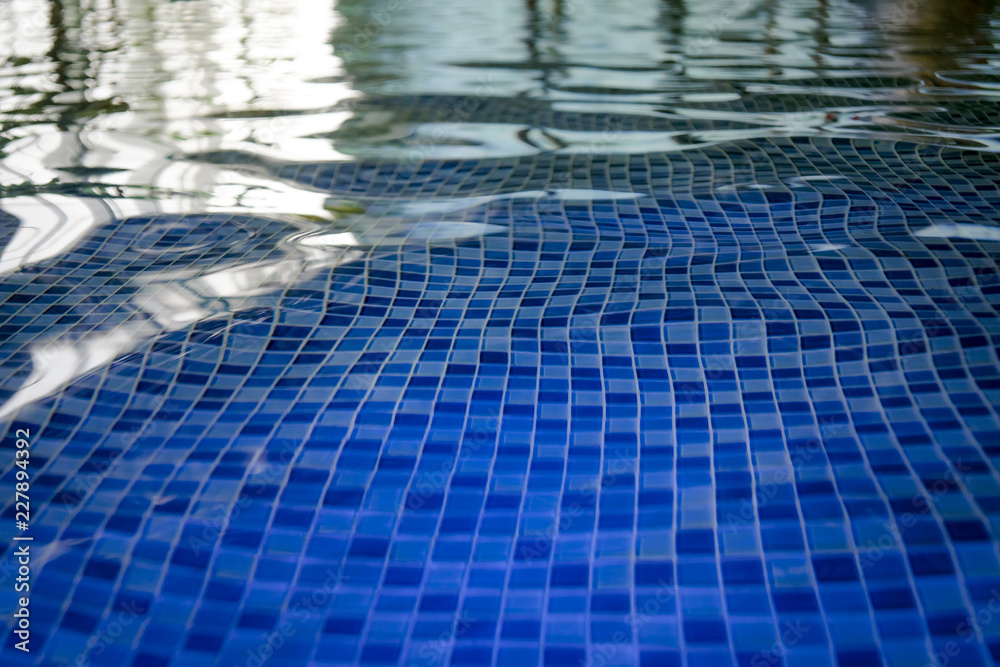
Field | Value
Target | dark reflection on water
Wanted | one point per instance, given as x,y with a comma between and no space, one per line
929,36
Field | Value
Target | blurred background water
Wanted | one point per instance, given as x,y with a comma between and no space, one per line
121,94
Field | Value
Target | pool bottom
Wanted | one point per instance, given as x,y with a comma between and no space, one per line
676,418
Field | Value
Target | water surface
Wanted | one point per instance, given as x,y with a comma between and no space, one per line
541,333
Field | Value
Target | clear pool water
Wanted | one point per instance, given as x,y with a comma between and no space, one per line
564,332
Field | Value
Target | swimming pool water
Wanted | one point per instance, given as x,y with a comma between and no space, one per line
524,334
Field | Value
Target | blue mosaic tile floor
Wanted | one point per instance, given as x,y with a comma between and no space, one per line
621,410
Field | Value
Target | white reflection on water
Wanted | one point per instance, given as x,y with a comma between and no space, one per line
166,301
102,99
961,231
52,223
199,76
